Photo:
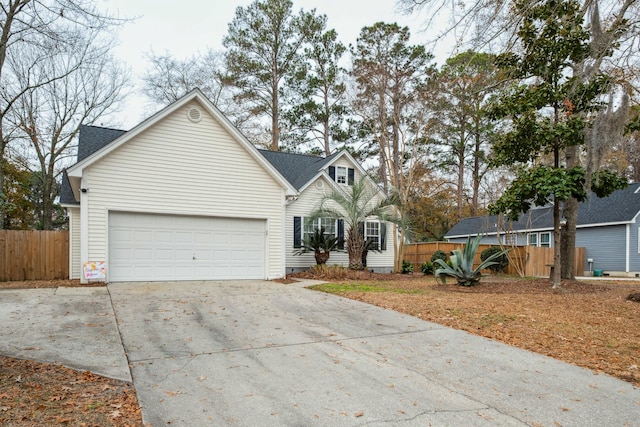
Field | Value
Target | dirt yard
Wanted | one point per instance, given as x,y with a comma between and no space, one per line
588,324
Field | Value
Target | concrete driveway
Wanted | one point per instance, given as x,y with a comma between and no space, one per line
262,353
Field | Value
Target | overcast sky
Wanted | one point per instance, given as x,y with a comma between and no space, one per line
186,27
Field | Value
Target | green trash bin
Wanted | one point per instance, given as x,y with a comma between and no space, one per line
597,272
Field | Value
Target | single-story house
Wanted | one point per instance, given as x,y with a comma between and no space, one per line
185,196
608,228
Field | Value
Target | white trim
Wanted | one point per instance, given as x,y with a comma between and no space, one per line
627,246
76,170
84,230
71,234
356,165
538,230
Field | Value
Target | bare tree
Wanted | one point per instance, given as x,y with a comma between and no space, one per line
48,117
46,28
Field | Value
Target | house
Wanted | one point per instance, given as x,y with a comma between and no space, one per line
608,228
185,196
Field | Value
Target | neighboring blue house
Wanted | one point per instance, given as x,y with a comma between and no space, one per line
608,228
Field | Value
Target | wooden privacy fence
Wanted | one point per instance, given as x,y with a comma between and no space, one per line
535,261
34,255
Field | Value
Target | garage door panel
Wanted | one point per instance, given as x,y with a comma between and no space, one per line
163,247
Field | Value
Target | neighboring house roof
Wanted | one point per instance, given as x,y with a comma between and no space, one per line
620,207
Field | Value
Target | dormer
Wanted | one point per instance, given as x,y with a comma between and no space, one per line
342,175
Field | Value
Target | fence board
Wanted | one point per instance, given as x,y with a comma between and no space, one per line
34,255
535,261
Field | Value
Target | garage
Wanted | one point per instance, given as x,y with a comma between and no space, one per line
154,247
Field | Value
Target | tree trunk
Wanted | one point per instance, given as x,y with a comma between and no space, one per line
355,247
555,276
2,195
568,237
570,213
275,119
477,176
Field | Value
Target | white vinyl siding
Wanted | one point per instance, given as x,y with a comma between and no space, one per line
306,203
184,168
75,266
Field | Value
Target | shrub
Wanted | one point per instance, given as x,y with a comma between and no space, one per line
438,255
427,267
320,244
407,267
501,262
462,264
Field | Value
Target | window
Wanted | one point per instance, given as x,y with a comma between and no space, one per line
372,232
341,175
510,239
541,240
545,240
310,227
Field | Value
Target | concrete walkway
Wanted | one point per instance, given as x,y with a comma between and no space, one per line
263,353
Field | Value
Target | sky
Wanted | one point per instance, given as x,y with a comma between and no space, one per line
184,28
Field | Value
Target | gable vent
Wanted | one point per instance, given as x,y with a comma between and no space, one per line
194,114
319,185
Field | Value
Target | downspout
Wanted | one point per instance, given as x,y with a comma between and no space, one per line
628,248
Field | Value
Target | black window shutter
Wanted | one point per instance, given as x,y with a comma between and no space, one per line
297,232
383,236
341,233
332,172
361,228
352,176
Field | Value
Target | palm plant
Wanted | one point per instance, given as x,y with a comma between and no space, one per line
321,244
361,201
462,264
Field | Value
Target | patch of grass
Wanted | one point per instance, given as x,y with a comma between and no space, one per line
338,288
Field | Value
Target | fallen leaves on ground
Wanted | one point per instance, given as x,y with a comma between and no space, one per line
41,394
589,324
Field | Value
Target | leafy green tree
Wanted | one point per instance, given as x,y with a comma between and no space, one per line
263,45
362,201
548,113
19,209
319,111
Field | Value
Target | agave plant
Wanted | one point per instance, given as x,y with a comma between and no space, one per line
462,264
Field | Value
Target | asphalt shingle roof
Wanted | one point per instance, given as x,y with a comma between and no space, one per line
90,140
298,169
620,206
93,138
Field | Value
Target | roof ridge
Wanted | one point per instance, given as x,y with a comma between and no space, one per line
104,127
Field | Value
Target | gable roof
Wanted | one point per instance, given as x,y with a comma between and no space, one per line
298,169
621,207
99,142
93,138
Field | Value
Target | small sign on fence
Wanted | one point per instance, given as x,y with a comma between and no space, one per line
95,270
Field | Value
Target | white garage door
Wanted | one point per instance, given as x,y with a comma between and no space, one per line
150,247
